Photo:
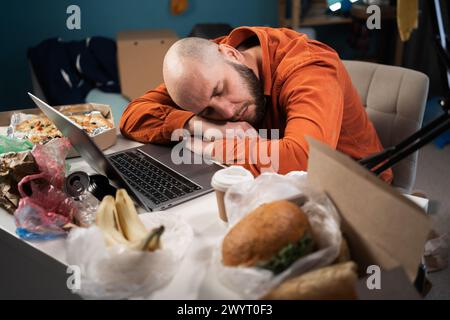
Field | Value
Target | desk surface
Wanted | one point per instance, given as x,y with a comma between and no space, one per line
194,279
194,275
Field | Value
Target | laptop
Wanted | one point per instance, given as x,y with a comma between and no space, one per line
147,172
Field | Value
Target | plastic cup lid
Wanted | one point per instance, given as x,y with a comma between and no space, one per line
225,178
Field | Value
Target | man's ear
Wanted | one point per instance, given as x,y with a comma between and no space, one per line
231,53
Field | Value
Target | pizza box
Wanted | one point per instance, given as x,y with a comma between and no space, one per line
383,227
103,140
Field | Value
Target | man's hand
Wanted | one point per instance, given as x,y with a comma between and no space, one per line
200,147
215,130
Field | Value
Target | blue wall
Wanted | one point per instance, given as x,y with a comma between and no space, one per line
25,23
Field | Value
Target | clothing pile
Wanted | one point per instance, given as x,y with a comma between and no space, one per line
68,71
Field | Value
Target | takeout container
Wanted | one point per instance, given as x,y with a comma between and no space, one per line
385,231
103,140
383,228
222,180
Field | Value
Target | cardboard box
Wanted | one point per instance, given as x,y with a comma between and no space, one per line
140,58
103,140
382,226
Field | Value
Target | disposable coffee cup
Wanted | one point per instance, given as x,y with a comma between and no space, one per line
224,179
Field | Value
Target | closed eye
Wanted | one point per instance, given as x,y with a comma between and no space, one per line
218,90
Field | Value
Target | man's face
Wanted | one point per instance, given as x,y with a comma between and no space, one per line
227,92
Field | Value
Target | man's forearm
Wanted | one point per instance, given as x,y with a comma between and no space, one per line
153,117
217,130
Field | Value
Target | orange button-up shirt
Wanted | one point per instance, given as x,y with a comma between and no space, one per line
309,93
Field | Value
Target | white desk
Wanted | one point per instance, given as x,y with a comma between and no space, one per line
194,272
38,269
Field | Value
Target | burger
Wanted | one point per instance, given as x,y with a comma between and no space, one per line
272,237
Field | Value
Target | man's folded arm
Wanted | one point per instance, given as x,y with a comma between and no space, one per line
314,106
153,117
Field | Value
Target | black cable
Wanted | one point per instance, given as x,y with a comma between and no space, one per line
390,156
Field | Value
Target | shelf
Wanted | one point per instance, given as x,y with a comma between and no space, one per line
315,16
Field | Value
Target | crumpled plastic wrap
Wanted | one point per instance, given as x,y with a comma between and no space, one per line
44,210
16,118
118,272
8,144
46,214
87,206
253,283
51,159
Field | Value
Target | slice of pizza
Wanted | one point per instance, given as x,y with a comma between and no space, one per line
92,122
39,129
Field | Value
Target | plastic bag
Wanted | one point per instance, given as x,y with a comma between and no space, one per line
51,159
8,144
242,198
118,272
87,206
47,212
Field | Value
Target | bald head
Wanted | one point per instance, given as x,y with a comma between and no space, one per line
214,81
188,60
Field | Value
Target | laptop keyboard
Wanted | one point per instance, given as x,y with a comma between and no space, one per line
152,179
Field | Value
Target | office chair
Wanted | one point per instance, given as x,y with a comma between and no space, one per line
395,100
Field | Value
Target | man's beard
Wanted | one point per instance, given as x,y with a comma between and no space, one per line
256,91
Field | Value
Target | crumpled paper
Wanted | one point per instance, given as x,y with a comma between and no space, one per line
13,168
436,253
240,199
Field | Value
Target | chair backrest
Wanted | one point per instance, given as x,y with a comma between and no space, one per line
395,100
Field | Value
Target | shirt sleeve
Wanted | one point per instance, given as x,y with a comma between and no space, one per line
153,117
313,101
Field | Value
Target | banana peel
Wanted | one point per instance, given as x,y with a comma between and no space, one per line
120,224
132,227
106,221
153,241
